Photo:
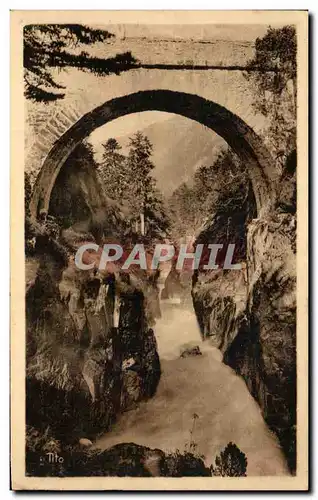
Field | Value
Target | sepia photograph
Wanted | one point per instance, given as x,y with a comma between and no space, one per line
159,250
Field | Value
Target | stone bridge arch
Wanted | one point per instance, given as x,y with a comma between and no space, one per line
240,137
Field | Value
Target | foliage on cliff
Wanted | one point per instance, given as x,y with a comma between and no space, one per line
275,88
220,194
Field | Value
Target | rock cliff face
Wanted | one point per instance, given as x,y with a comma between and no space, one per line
251,316
81,369
272,308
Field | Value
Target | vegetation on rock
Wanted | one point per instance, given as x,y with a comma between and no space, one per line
124,459
231,462
276,88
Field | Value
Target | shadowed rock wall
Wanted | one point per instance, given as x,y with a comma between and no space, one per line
82,370
251,316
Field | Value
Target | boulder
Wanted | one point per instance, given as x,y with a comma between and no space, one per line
191,351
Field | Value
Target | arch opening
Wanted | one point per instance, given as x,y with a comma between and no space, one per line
239,136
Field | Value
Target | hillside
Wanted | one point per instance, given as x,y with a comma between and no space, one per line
180,146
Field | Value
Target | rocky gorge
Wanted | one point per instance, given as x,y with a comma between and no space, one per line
250,315
94,367
82,368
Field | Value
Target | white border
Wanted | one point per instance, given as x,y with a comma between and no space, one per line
4,184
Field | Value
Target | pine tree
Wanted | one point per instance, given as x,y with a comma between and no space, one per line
231,462
49,46
139,168
146,202
186,212
113,171
156,217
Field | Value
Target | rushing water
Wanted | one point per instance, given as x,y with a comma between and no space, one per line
204,386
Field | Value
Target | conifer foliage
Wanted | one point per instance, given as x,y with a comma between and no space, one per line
50,46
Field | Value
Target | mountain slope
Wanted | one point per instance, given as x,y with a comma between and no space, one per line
180,147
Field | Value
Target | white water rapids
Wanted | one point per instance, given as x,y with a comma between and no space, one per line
205,386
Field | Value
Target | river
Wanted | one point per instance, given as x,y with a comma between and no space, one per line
200,385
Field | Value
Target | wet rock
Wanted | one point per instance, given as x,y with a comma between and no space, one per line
173,286
138,343
130,390
85,443
128,363
191,351
220,302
